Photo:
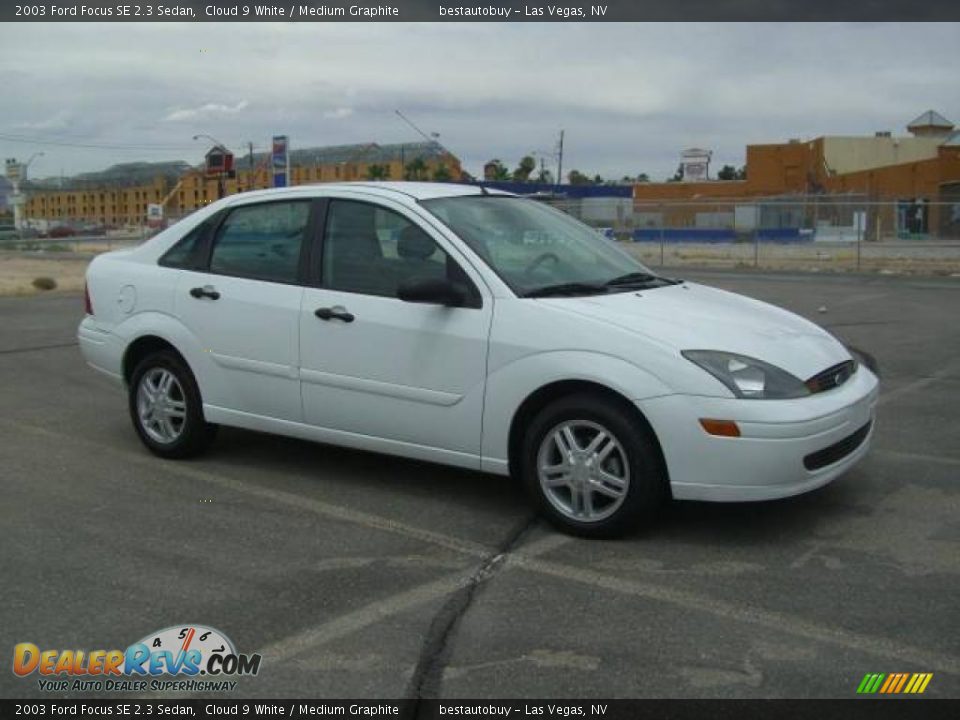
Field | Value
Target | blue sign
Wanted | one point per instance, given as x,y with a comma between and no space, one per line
280,160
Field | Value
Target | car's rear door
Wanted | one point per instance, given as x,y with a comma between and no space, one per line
243,307
392,375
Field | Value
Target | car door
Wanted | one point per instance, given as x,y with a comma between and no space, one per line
243,306
395,375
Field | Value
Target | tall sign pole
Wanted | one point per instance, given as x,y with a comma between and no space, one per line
560,161
281,161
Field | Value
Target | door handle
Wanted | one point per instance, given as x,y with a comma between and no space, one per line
334,313
205,291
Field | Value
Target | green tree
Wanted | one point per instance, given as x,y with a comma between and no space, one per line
416,169
741,173
524,169
643,177
442,174
496,170
678,176
727,172
575,177
544,176
378,172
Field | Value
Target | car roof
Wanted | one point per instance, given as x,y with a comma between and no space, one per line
406,190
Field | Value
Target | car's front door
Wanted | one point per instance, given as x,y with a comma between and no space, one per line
243,308
385,373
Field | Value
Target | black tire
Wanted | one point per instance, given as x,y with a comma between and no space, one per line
647,482
195,433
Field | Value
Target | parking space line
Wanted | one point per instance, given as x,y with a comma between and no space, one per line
319,507
918,457
919,384
526,558
771,619
38,348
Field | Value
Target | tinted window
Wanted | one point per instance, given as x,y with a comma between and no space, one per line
261,241
186,253
372,250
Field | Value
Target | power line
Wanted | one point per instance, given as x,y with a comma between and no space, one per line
98,146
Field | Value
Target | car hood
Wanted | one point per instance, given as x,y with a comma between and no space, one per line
697,317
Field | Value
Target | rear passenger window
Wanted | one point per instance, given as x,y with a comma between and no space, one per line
186,252
261,241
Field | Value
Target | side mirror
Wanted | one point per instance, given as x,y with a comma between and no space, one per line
435,292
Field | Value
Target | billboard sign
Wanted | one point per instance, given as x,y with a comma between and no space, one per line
696,164
280,160
154,214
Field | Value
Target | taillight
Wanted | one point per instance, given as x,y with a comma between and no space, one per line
87,305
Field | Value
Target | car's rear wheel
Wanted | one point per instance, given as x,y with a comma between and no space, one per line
591,467
166,408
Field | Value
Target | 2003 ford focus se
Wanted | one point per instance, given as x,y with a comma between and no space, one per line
478,329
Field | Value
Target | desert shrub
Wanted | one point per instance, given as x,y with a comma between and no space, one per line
44,283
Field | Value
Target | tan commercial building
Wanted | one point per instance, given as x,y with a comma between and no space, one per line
120,196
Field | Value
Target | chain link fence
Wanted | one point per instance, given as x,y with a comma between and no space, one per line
810,233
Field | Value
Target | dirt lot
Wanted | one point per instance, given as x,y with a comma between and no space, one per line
901,258
18,272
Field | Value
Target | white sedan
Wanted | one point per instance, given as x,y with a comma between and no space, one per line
477,329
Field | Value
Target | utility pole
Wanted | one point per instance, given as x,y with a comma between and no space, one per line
250,181
560,160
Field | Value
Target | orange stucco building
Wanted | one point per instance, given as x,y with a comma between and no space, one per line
919,167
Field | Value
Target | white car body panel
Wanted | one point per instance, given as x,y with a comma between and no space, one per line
444,384
252,335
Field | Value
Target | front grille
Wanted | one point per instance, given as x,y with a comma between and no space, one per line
831,377
837,451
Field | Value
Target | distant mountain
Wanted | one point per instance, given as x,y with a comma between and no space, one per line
134,173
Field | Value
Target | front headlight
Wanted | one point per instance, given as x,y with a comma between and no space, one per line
748,377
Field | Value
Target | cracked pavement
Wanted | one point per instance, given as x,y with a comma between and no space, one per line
358,575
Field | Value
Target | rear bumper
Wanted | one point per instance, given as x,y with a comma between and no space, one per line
786,447
100,348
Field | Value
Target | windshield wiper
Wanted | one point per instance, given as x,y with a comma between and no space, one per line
638,278
571,288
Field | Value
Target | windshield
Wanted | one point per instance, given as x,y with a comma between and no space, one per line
536,249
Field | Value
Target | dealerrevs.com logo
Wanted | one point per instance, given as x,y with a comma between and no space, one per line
190,658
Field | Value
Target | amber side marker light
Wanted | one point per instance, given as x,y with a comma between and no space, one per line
723,428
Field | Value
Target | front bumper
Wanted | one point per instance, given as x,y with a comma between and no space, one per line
786,447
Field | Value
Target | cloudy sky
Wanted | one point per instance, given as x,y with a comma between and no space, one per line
629,96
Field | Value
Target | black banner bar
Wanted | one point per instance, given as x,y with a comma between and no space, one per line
853,709
477,10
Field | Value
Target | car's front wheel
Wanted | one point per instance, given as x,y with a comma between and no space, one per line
166,409
591,467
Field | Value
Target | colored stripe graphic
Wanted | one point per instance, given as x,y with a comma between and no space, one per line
903,679
894,683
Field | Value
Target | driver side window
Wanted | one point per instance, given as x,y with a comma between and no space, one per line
371,250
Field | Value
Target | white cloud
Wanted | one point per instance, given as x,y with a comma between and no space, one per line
339,113
209,110
630,96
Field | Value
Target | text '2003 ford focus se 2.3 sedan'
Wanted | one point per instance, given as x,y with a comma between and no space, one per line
474,328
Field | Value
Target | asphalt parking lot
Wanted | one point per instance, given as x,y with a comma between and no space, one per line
357,575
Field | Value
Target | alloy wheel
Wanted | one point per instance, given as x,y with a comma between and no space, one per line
583,470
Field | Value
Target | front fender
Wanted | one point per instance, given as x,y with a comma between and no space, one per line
509,385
